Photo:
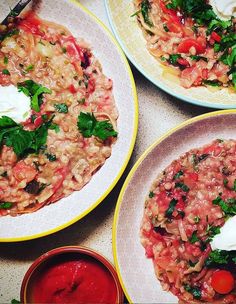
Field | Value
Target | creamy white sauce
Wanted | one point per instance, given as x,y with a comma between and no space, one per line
224,8
14,104
226,239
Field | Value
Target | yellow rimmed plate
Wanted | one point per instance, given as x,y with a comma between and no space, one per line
130,37
135,271
65,212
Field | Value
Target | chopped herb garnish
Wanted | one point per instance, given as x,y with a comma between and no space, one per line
234,187
29,68
219,257
14,301
228,206
194,238
173,59
61,107
5,60
63,50
34,91
55,127
145,7
22,141
182,186
197,58
5,205
136,13
197,219
6,72
4,174
212,231
165,28
81,101
89,126
151,194
171,208
225,182
51,157
178,174
213,83
195,291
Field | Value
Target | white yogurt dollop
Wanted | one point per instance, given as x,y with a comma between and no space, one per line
14,104
224,8
226,239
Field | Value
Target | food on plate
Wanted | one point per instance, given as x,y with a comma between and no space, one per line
194,40
57,114
188,226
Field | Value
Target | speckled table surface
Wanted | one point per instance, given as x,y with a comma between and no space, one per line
158,112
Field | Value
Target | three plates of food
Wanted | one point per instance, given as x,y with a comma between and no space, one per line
172,205
166,47
64,154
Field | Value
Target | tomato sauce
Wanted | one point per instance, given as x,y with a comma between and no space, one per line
76,281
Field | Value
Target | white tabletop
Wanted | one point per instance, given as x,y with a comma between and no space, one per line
158,112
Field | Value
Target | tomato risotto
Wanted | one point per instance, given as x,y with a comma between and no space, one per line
186,207
71,126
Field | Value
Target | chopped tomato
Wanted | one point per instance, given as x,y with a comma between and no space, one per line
193,176
72,89
38,121
170,12
149,251
22,171
215,37
183,62
222,281
198,44
31,24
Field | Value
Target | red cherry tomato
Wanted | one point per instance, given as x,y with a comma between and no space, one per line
222,281
186,44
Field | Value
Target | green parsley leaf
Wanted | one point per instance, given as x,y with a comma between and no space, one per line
165,28
182,186
178,174
145,7
14,301
136,13
22,141
228,206
171,208
5,205
173,58
234,187
34,91
213,83
194,238
151,194
55,127
29,68
220,257
195,291
81,101
197,58
88,125
5,72
61,108
5,60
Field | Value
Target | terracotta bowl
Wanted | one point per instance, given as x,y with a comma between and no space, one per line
65,254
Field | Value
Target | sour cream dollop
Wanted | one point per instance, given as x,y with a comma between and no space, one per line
224,8
14,104
226,239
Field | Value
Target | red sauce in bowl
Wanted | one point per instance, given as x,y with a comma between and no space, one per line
79,281
72,278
